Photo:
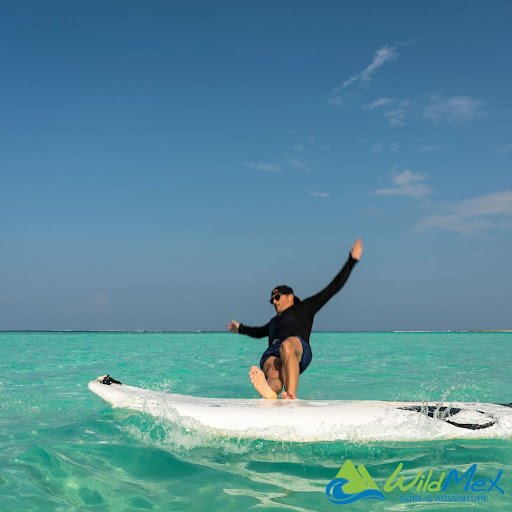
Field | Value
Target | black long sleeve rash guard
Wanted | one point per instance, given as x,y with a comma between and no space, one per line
297,320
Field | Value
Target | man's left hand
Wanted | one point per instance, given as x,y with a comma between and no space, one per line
357,249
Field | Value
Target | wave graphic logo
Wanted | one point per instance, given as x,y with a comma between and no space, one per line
352,484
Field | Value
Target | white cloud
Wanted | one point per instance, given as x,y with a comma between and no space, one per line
505,147
398,116
407,184
263,167
387,53
381,102
315,193
289,163
299,147
380,57
297,164
489,211
455,109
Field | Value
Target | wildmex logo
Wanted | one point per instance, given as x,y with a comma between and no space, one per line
354,484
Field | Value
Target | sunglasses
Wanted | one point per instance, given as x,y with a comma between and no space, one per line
277,296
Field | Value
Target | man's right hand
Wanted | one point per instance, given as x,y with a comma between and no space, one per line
233,326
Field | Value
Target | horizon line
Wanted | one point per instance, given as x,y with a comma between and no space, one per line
201,331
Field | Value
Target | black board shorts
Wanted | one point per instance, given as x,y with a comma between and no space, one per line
273,350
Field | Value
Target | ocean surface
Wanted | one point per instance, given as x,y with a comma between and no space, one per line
63,449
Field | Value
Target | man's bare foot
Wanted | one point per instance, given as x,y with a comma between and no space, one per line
260,383
285,395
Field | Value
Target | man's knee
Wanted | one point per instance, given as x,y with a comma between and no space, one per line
290,347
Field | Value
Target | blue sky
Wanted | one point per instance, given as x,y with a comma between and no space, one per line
165,164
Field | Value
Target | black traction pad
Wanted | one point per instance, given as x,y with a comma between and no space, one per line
444,414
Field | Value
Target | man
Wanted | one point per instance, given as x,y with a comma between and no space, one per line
289,352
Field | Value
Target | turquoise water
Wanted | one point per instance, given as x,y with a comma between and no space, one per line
63,449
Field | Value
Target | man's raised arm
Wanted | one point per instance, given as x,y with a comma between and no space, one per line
316,302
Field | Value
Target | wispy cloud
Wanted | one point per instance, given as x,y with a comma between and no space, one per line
290,163
505,147
383,55
315,193
489,211
455,109
263,167
298,165
378,103
380,57
407,184
397,115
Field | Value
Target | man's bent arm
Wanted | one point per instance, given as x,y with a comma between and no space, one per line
254,332
316,302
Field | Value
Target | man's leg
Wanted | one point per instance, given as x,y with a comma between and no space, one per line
272,370
267,382
291,353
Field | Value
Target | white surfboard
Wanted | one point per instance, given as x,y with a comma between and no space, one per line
316,420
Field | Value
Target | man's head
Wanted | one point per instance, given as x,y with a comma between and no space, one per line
282,298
